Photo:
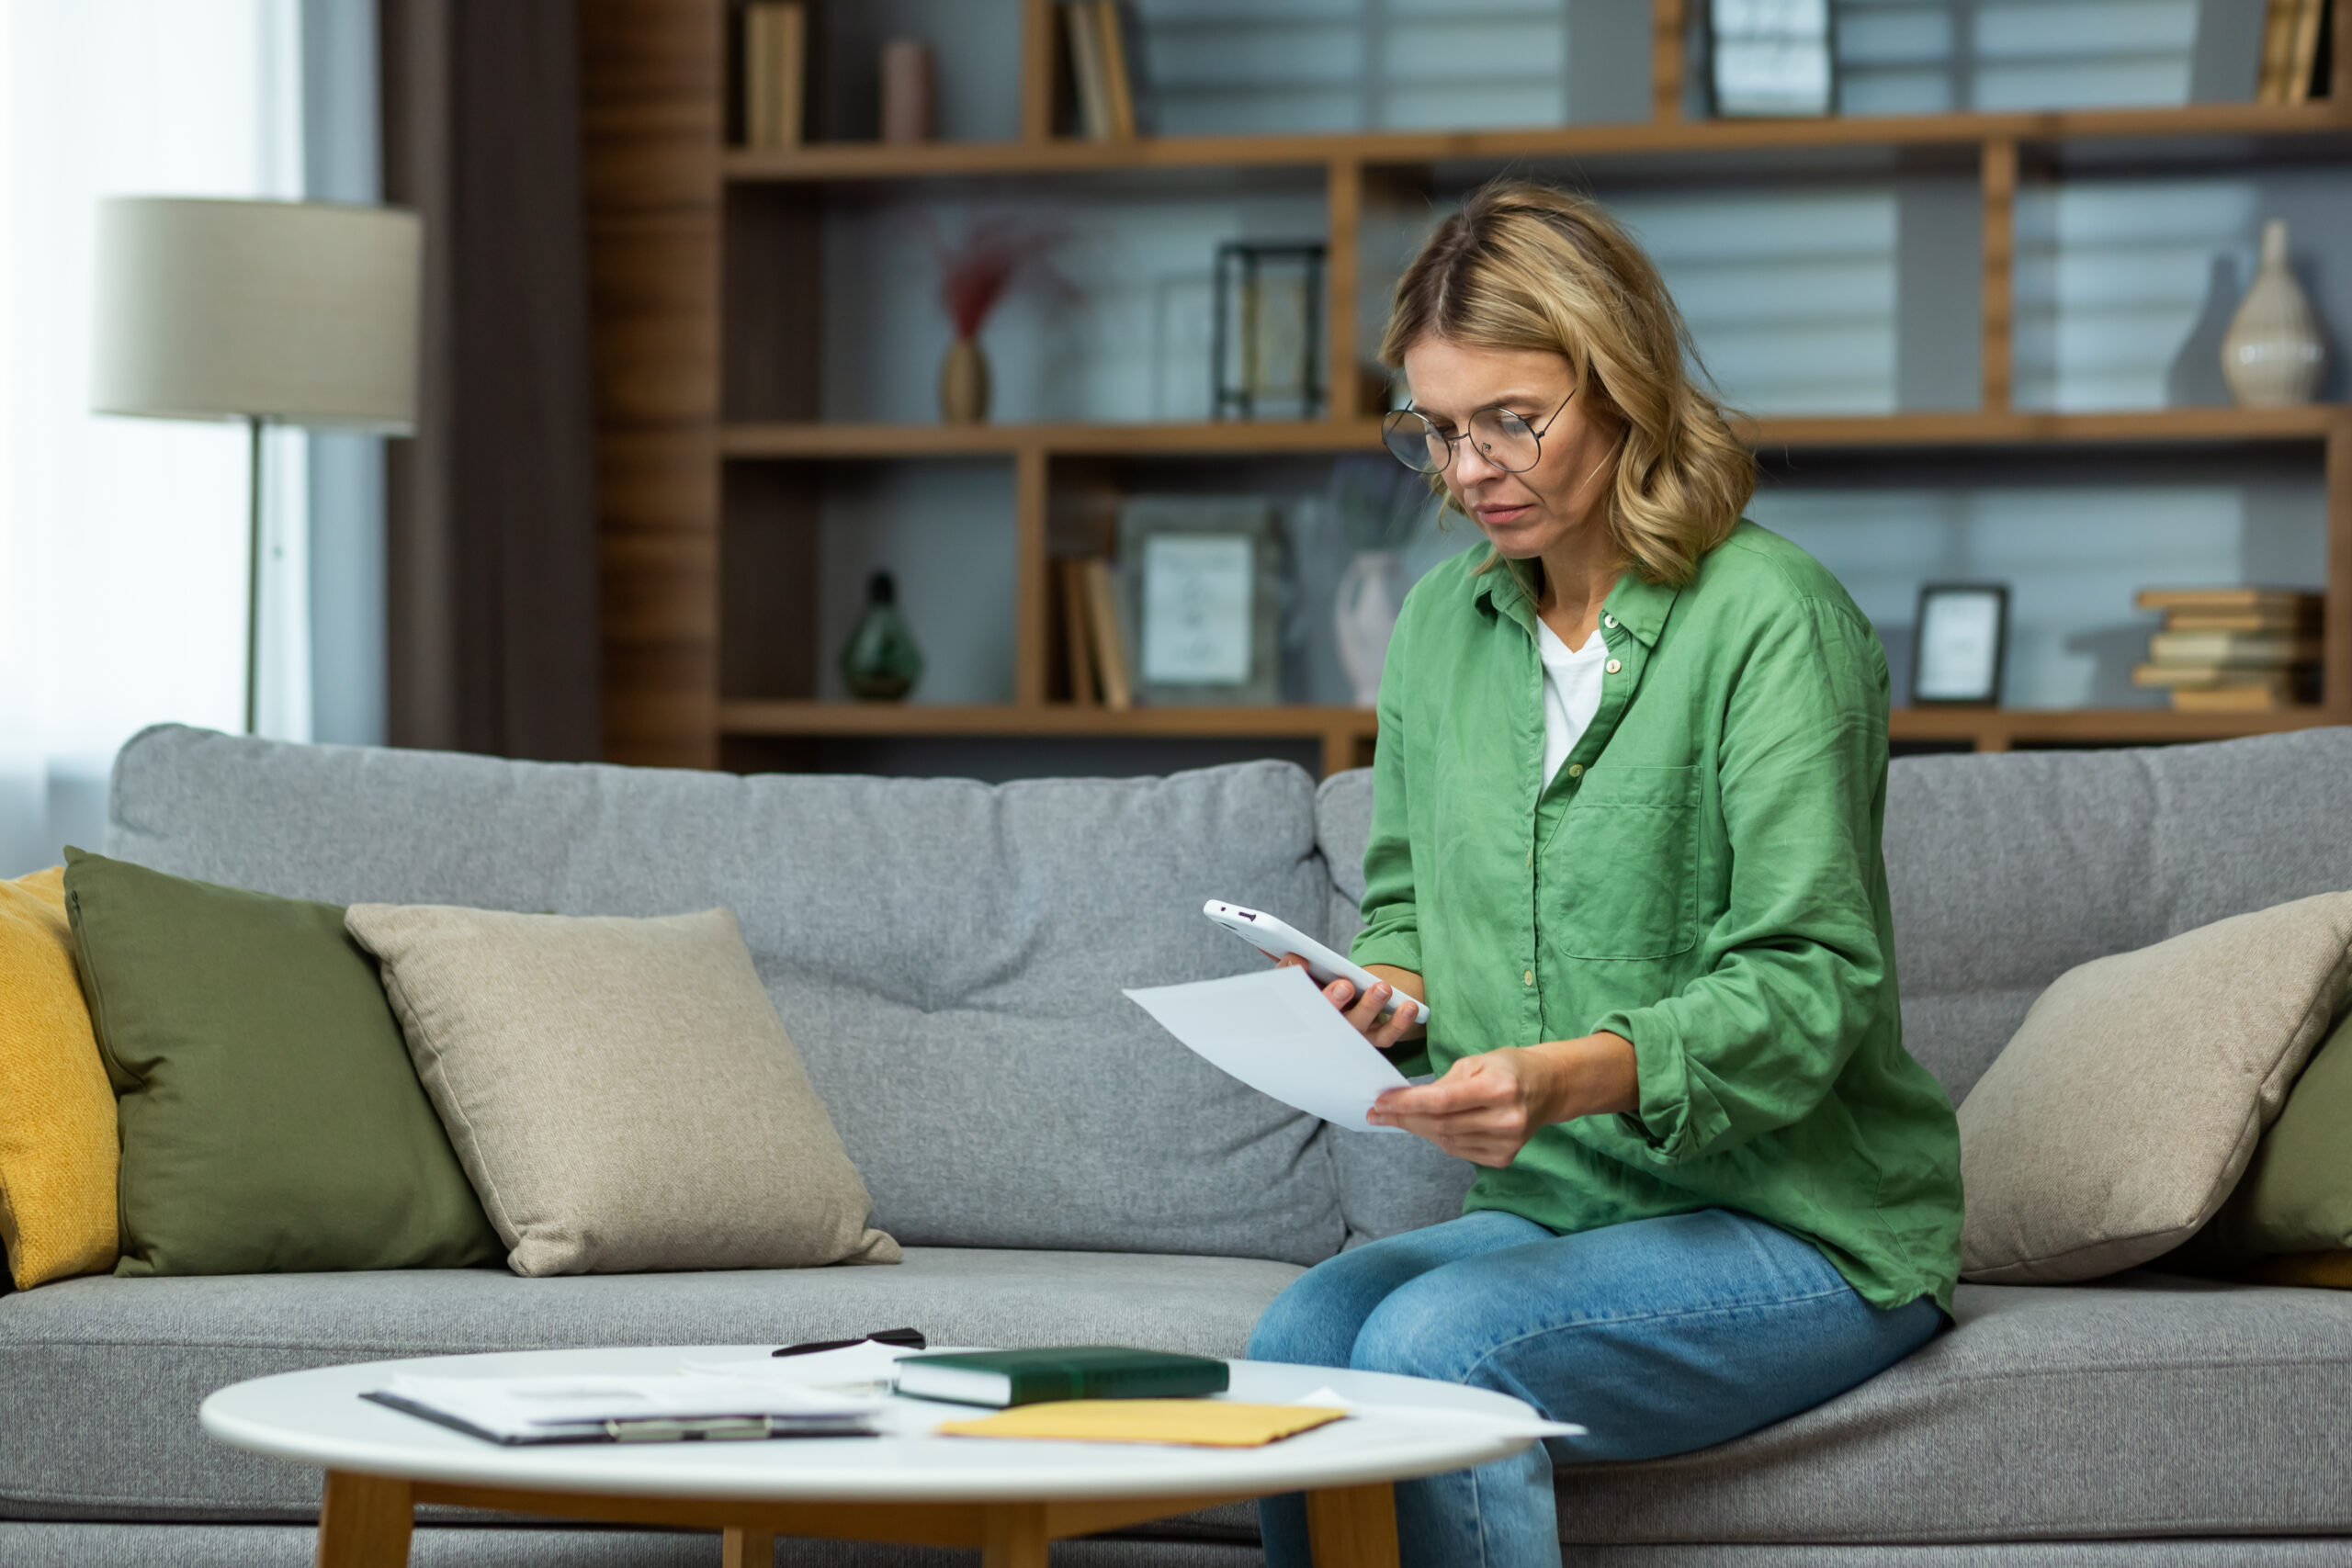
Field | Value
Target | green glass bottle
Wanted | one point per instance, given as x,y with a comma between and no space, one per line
881,663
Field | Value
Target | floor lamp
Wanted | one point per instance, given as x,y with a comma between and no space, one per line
272,312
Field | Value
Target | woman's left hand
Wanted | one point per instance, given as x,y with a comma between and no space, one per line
1486,1107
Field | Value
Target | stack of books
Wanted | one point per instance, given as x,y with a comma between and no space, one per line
1098,63
2232,649
1100,672
775,73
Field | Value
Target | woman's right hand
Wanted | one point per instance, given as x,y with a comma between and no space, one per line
1364,1011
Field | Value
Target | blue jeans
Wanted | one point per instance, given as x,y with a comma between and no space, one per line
1658,1336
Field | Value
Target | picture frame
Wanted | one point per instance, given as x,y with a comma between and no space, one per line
1959,651
1771,59
1202,580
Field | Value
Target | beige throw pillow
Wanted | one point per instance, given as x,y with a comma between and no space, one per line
2127,1105
620,1092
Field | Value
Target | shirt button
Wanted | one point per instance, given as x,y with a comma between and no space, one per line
1529,977
1576,770
1609,621
1613,666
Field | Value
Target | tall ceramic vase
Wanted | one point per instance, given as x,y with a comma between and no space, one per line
2272,355
963,384
1372,590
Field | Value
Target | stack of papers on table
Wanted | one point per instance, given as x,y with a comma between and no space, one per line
591,1409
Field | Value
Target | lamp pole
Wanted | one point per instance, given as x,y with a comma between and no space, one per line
252,577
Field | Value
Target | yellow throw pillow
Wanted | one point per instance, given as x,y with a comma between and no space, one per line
58,1148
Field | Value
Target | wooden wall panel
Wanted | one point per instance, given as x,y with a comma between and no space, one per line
653,96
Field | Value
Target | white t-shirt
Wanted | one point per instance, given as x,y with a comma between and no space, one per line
1571,691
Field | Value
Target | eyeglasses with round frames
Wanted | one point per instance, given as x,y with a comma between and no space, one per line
1503,439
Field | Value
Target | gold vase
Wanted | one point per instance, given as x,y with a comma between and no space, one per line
963,384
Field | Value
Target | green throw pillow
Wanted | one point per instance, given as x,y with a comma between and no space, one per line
2296,1195
271,1119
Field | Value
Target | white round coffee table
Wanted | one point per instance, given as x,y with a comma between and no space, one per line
1007,1497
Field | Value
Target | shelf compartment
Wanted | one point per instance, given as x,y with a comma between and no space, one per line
845,441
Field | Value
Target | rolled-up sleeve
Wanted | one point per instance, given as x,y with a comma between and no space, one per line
1755,1042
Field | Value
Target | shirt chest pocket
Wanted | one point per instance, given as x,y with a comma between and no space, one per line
1620,874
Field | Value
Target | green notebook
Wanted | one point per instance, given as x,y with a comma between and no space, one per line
1000,1377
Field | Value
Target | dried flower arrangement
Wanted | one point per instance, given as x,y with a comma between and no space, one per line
995,251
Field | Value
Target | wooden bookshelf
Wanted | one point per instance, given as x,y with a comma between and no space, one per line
672,212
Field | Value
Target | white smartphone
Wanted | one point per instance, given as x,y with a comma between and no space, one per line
1276,938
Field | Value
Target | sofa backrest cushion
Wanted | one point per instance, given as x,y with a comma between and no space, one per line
2008,869
946,954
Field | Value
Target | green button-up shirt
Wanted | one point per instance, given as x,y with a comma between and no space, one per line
1702,877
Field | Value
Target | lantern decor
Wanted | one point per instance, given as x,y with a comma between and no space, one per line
1266,354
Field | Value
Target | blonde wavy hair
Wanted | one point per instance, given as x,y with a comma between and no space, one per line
1524,265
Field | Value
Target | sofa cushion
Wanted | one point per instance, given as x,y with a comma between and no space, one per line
2148,1406
947,956
58,1143
619,1091
270,1120
100,1378
2128,1104
2296,1195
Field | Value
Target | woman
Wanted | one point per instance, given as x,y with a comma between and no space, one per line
1625,845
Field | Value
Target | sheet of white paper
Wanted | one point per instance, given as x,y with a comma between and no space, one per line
1274,1031
862,1365
1328,1398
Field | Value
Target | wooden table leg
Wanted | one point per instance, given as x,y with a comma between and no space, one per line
1352,1527
748,1548
364,1522
1013,1536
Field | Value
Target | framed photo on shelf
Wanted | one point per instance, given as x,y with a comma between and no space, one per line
1963,630
1203,581
1771,59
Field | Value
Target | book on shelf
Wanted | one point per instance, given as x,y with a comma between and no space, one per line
2231,650
1096,33
1082,26
775,72
2302,58
2295,37
1111,35
1112,666
2214,601
2266,693
1078,636
2278,620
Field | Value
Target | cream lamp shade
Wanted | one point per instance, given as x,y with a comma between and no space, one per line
288,313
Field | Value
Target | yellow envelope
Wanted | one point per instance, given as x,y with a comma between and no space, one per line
1200,1423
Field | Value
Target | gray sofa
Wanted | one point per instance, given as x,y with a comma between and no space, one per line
948,956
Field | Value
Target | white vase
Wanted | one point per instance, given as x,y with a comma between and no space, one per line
2272,355
1363,615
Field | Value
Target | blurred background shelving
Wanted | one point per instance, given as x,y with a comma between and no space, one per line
1963,317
